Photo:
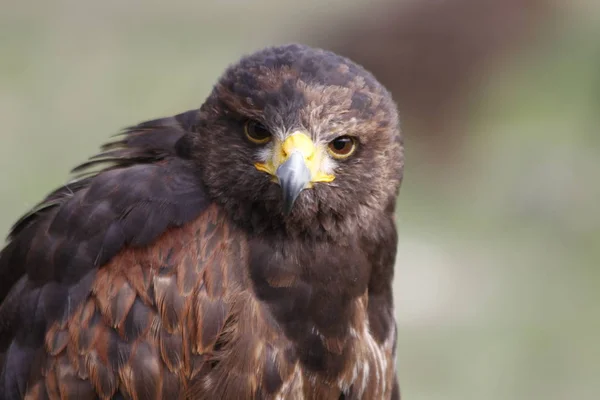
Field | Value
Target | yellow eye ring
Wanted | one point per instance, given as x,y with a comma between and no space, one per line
342,147
257,132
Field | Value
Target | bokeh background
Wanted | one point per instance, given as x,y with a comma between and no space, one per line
497,277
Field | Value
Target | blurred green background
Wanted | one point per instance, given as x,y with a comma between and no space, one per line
497,278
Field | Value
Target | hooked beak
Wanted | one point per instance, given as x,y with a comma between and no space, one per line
293,176
295,164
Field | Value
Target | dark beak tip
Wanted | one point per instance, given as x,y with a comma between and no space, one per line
287,208
290,193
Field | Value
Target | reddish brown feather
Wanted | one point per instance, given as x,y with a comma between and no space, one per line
169,302
147,330
171,349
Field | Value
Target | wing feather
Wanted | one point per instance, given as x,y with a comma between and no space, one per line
126,197
140,335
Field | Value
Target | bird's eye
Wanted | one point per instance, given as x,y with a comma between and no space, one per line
257,132
342,147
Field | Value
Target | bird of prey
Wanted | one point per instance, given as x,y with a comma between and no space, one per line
242,250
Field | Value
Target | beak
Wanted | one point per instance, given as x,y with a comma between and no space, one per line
296,165
293,176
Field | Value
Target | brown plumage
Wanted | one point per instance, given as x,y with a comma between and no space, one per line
203,256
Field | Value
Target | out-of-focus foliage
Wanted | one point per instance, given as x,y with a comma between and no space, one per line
497,274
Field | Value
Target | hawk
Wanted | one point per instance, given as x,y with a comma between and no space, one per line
242,250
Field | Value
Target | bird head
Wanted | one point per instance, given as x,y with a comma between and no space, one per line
302,138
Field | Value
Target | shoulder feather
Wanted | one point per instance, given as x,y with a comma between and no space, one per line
129,194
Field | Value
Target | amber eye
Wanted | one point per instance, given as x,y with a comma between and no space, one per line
257,132
342,146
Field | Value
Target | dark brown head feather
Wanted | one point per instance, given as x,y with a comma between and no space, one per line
298,87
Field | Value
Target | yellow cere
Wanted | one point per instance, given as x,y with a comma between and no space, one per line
297,141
